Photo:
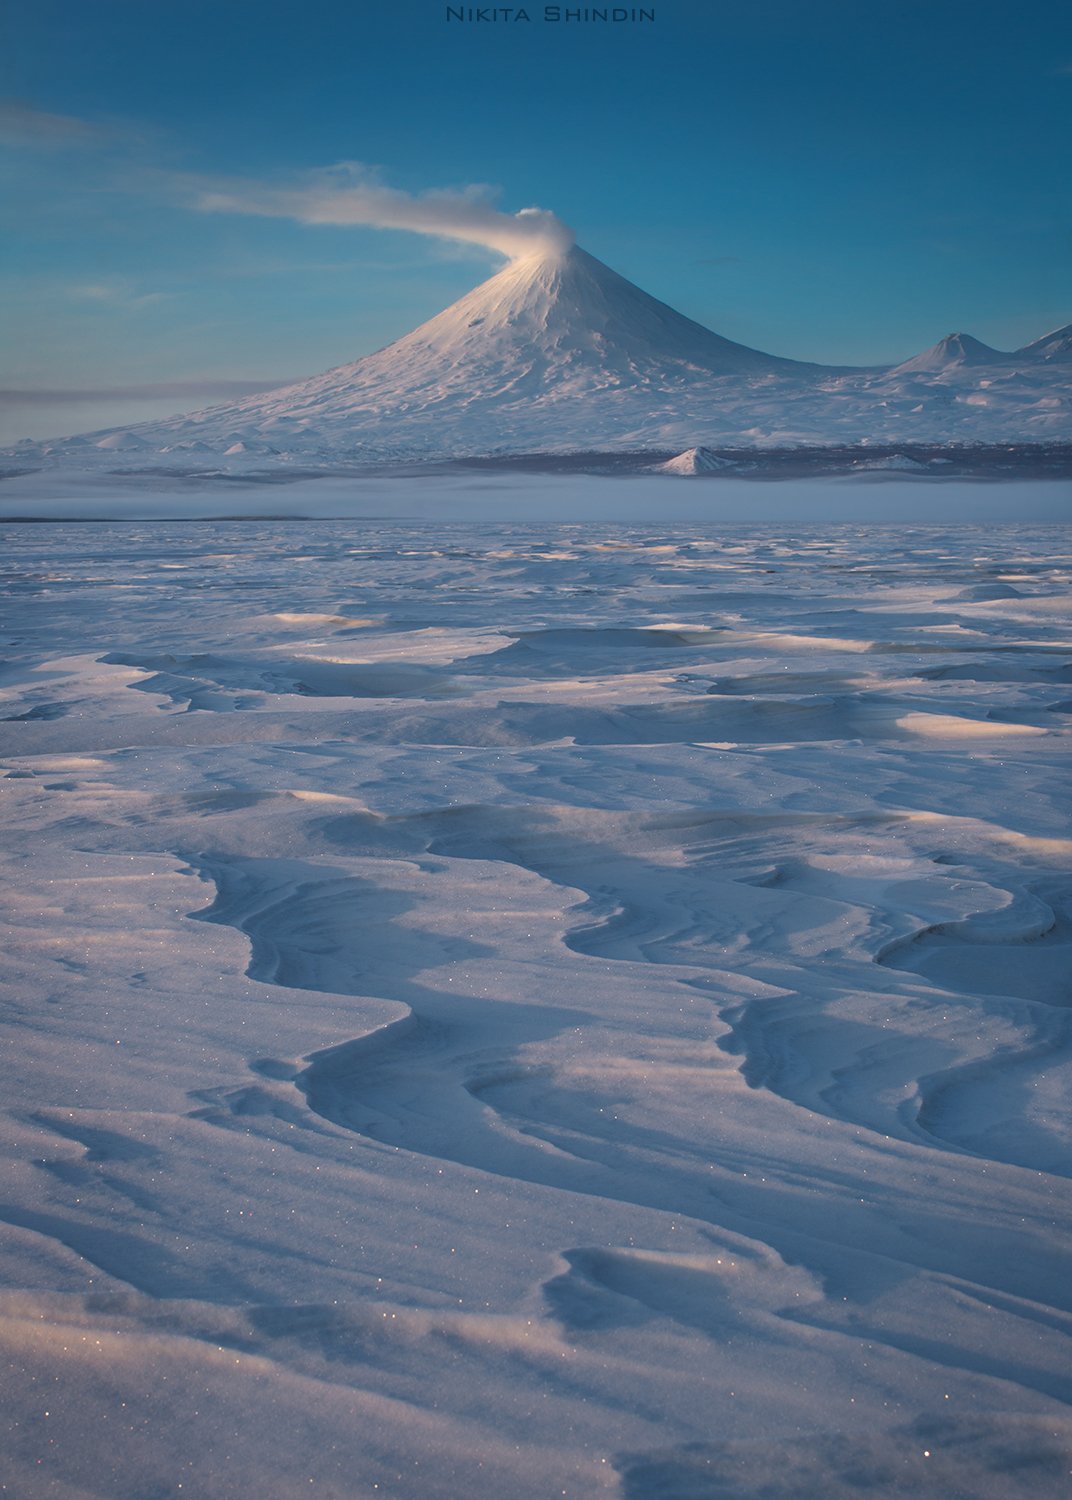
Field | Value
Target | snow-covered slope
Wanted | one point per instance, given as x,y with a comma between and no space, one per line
955,350
558,352
550,320
1051,346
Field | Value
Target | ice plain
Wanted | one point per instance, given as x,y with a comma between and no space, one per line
535,1007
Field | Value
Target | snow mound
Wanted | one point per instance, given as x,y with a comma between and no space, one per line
898,463
694,461
117,441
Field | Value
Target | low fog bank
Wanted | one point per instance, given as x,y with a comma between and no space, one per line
453,497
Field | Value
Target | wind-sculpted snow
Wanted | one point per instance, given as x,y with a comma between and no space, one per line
536,1009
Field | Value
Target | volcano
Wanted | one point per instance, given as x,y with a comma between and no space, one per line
558,353
955,351
551,337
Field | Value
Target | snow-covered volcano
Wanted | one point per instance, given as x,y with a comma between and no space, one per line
555,343
558,352
559,323
954,351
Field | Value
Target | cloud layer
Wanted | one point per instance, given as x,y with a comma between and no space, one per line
350,194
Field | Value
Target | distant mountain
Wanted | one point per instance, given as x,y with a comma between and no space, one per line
695,461
559,353
1055,346
956,349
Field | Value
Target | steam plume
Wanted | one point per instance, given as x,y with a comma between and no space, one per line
350,194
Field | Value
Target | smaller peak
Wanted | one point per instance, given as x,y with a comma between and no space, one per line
694,461
955,349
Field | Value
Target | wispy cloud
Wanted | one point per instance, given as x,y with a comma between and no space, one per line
160,390
351,193
114,294
23,125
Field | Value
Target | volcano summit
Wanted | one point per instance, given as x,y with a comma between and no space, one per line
558,353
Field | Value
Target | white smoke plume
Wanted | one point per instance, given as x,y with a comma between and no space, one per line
350,193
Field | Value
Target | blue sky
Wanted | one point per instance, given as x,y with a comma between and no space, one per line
826,179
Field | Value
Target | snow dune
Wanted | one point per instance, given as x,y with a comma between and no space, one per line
536,1008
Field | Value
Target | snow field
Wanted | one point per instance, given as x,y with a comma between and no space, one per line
537,1008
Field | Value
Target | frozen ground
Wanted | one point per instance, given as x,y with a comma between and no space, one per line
535,1009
